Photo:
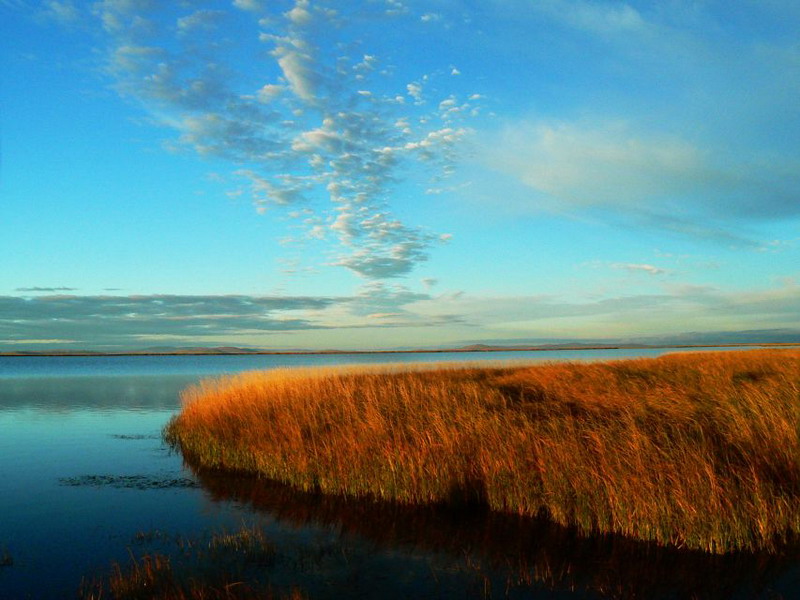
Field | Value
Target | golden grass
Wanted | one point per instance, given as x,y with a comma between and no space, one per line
697,450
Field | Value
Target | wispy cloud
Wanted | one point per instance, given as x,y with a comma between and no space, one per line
64,12
602,18
663,126
618,166
676,309
640,268
40,289
324,127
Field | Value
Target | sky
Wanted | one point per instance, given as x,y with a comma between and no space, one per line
398,174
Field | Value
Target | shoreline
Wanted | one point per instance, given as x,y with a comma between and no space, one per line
213,352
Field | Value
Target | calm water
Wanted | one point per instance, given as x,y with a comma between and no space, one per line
86,480
71,366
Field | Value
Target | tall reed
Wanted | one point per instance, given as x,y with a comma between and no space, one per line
697,450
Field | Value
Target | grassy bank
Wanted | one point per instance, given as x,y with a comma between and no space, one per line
696,450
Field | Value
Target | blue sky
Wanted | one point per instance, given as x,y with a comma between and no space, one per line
393,173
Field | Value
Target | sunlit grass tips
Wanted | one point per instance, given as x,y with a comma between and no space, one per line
696,450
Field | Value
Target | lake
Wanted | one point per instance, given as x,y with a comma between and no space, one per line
85,480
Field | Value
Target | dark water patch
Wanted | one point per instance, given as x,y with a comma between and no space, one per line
260,562
6,560
135,482
236,564
520,556
135,436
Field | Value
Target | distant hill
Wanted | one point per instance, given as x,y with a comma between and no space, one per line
199,350
688,340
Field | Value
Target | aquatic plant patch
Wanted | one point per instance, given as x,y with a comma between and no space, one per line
135,436
695,450
135,482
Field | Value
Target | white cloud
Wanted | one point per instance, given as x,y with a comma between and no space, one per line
298,68
200,20
300,15
316,232
599,17
266,193
605,164
395,8
249,5
657,179
64,12
640,268
269,92
415,91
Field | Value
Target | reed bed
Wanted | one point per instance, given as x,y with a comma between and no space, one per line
695,450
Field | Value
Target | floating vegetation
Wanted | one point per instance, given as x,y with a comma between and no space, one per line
228,565
693,450
135,436
152,535
134,482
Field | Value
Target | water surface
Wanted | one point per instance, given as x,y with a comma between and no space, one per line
86,480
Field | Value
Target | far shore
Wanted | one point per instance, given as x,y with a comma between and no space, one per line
468,349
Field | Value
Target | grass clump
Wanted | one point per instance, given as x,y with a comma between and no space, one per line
227,566
696,450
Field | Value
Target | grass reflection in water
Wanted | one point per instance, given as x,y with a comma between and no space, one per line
391,550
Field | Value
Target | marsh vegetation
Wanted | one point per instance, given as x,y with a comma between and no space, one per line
227,565
695,451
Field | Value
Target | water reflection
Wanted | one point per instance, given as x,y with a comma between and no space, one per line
93,393
520,555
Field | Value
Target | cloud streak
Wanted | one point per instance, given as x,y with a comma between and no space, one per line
135,321
676,309
39,289
392,311
127,320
